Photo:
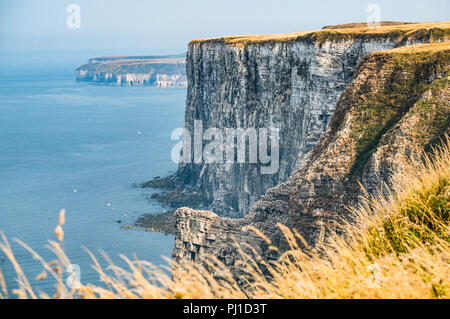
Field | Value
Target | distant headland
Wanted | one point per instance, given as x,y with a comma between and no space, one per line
158,71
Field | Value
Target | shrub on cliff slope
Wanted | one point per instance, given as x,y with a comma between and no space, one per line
397,247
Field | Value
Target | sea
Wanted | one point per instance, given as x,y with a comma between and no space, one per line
80,147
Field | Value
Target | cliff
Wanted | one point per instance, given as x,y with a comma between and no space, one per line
291,82
394,107
158,71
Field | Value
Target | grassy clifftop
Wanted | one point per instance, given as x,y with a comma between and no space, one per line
134,64
436,31
364,24
412,84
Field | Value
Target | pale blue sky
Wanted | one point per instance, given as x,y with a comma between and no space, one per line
153,25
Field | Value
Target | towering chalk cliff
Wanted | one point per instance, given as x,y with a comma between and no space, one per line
158,71
394,105
288,81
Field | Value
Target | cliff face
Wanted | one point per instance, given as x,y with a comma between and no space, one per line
158,71
290,82
396,106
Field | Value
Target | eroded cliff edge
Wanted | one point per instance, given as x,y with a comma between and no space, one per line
289,81
396,106
157,71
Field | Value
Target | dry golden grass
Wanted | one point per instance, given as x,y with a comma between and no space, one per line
419,48
363,24
397,246
331,32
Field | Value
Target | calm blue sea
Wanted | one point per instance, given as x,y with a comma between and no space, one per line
80,147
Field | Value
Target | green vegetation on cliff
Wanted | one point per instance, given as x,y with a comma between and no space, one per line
134,64
417,75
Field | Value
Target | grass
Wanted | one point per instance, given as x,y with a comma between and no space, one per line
397,246
407,73
436,30
421,48
363,25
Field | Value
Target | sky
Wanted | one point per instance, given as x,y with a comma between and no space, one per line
138,26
